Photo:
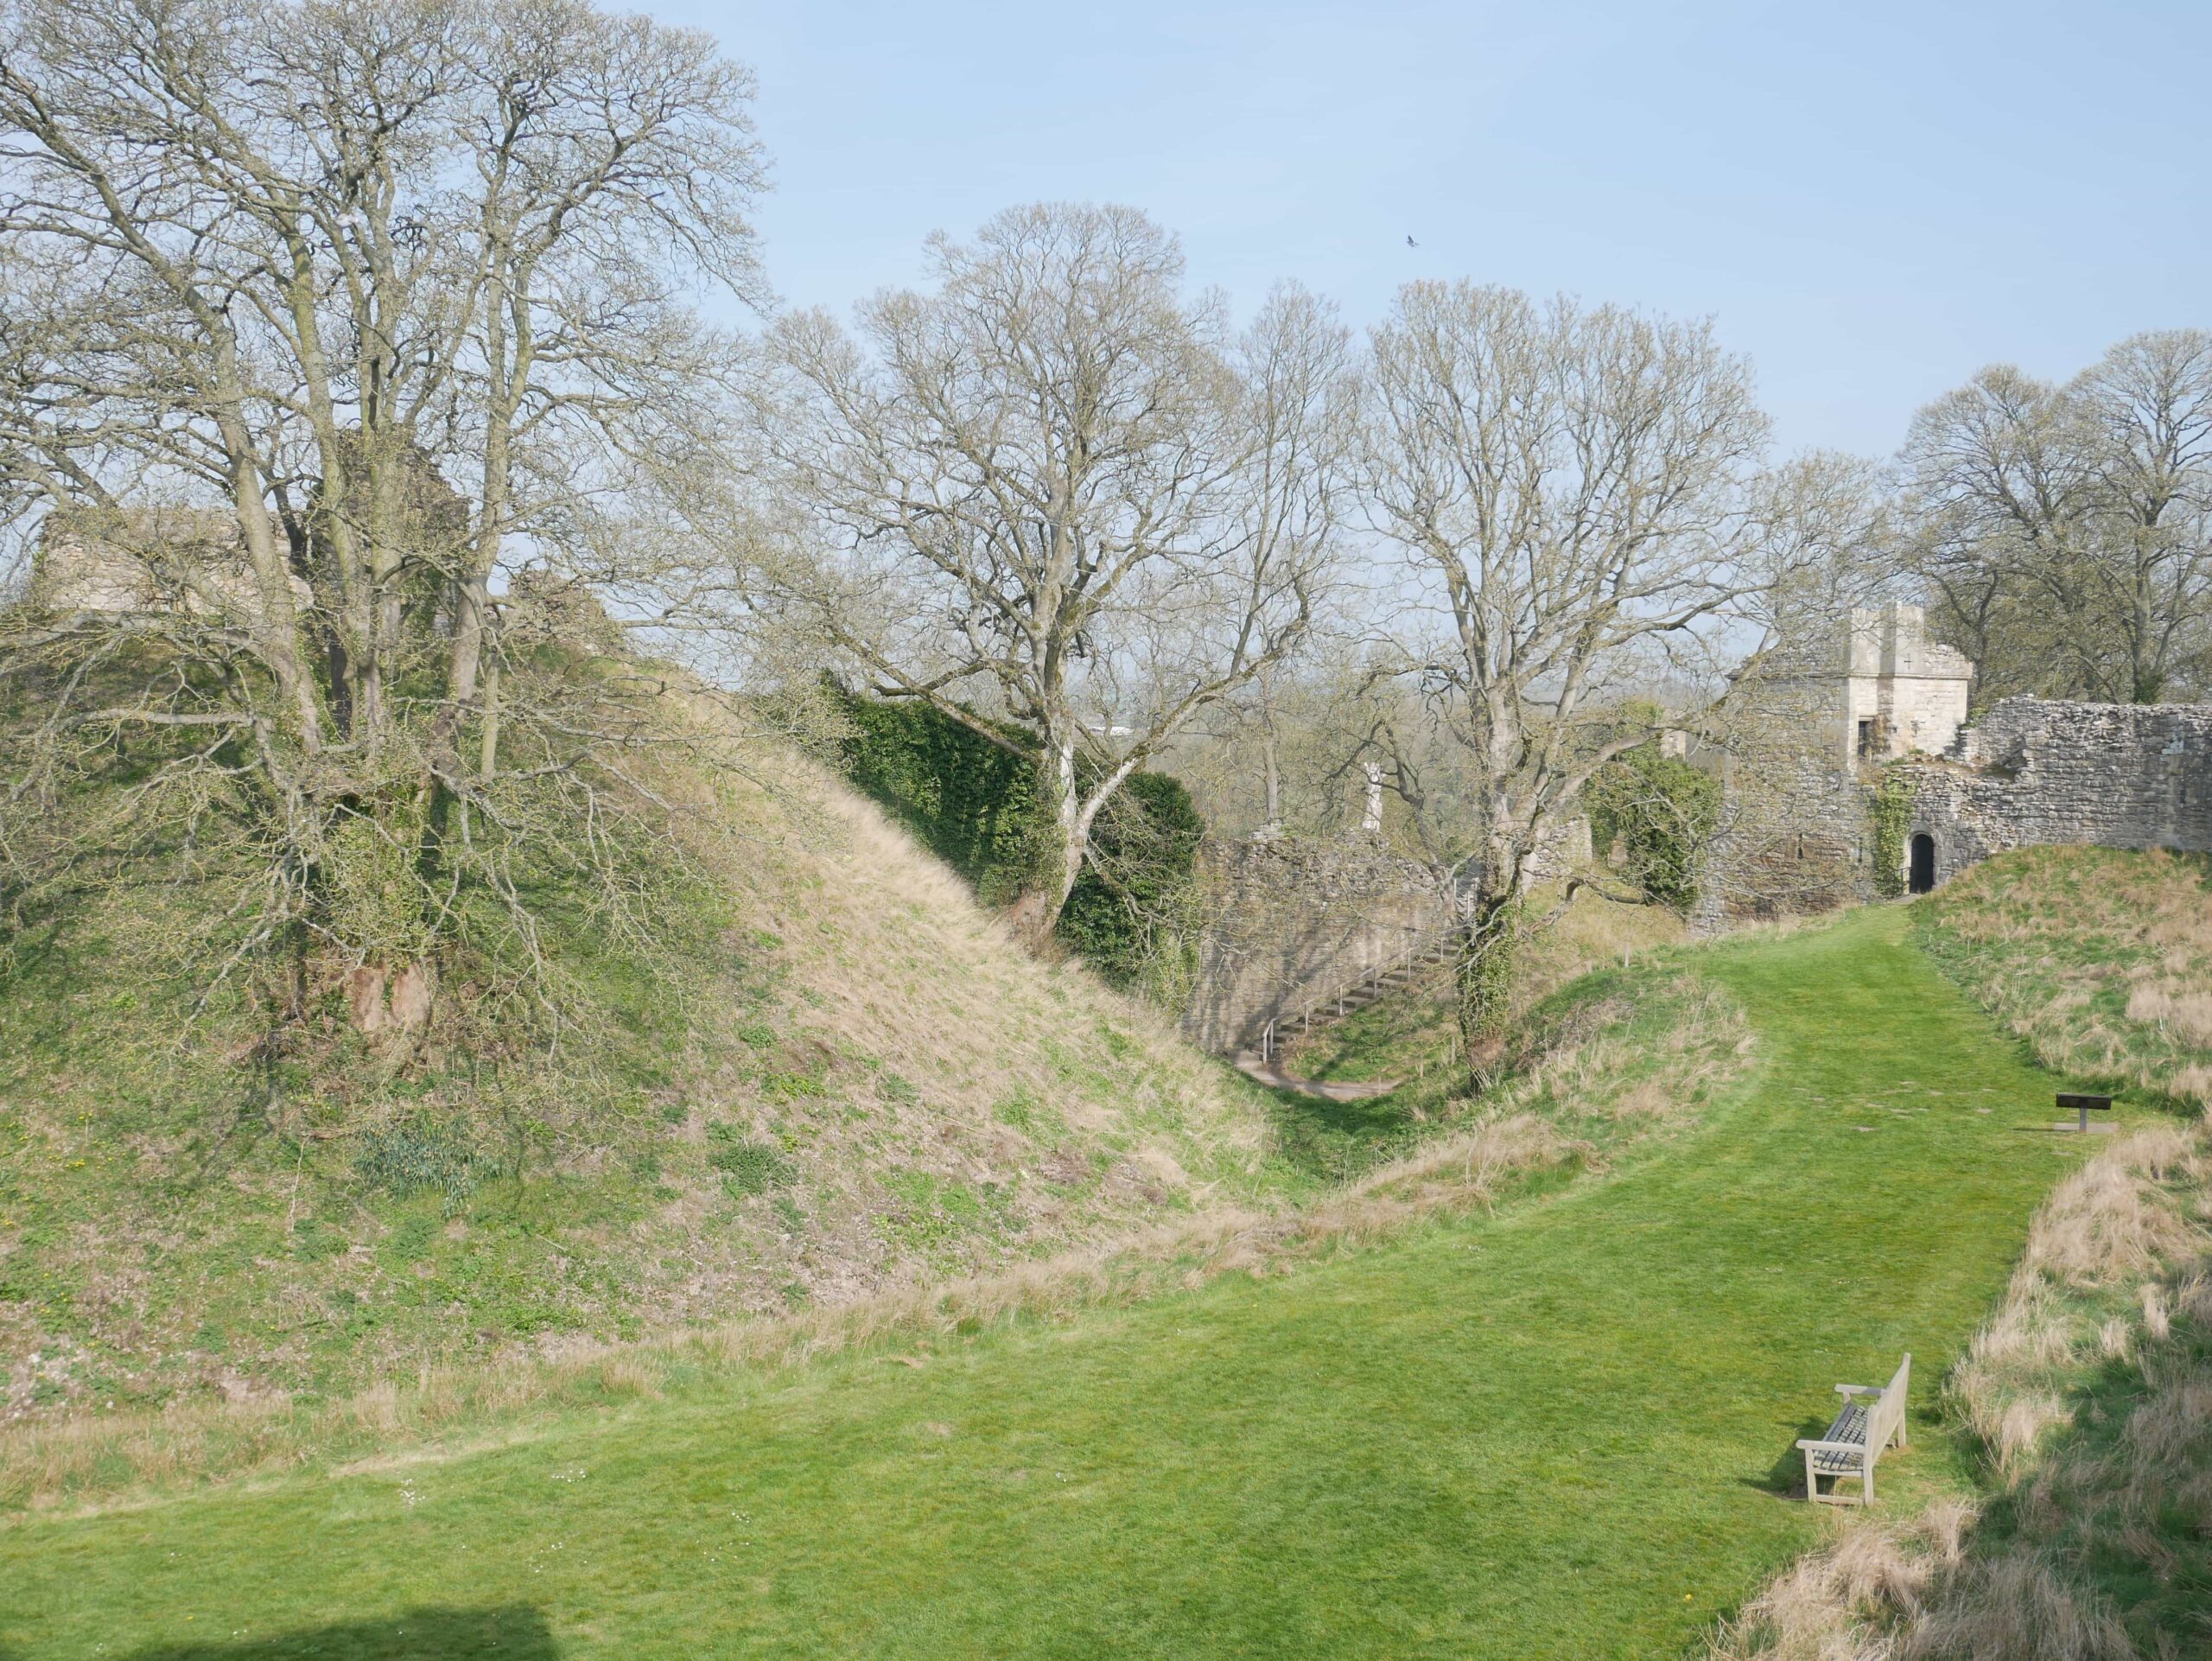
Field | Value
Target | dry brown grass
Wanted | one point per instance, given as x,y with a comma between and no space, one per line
2122,1220
2090,1386
1827,1606
2101,960
2017,1608
1591,932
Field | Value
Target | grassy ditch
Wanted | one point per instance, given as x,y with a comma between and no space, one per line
1603,1061
1559,1426
2087,1533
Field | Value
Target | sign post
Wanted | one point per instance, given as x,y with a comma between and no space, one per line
2083,1105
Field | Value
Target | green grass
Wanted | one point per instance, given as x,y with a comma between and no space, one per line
1564,1431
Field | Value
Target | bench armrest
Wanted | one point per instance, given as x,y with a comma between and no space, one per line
1859,1389
1814,1445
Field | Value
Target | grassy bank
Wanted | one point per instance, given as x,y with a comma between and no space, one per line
1563,1430
1623,1061
837,1076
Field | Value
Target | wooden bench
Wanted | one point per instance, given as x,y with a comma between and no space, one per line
1861,1435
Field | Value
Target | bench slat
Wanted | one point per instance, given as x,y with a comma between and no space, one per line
1850,1425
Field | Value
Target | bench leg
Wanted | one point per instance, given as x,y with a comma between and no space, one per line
1868,1478
1812,1478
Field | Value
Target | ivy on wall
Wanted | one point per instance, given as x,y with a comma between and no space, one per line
1660,810
975,805
970,802
1890,810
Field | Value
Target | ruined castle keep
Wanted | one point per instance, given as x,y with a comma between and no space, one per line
1830,739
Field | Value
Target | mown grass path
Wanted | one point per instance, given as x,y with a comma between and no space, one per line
1559,1432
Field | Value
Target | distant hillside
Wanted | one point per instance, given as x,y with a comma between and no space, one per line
844,1076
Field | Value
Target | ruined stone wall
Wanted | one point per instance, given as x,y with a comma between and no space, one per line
1797,832
1286,920
187,561
2039,772
1793,829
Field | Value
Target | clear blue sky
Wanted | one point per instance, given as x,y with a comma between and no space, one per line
1872,201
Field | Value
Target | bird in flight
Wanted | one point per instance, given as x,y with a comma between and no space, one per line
1410,243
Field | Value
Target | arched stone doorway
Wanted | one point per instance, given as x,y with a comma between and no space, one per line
1923,865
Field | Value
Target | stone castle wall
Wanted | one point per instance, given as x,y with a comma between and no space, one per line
1289,920
1793,829
2039,772
1797,831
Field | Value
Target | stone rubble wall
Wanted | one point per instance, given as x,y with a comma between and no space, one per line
2042,772
1288,920
1793,830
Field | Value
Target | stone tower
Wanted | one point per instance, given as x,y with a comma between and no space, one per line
1903,694
1807,728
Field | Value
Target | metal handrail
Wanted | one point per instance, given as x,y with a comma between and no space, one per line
1423,946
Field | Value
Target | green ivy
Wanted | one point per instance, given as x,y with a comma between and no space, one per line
977,805
1660,810
1131,914
972,802
1890,810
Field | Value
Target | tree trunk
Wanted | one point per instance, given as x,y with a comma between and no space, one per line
1036,910
1484,977
1056,856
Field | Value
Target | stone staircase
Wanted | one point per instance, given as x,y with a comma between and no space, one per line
1323,1010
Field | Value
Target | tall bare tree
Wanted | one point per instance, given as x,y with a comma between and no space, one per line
1572,492
2065,532
1055,489
314,315
2146,409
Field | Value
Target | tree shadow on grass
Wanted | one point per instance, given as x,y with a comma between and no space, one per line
1336,1141
507,1632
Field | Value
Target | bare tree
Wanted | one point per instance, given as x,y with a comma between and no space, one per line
1998,505
2065,532
2146,411
314,316
1055,486
1571,490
